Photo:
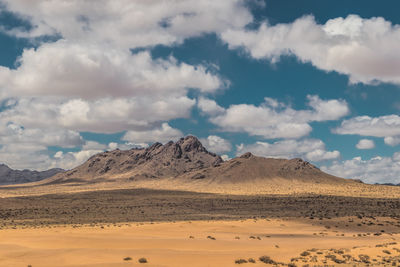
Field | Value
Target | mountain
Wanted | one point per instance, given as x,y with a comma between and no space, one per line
188,162
156,161
10,176
250,168
391,184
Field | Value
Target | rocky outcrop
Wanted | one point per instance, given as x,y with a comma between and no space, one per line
158,160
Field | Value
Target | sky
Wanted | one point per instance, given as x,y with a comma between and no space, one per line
319,80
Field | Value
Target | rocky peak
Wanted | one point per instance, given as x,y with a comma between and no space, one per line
158,160
246,155
191,143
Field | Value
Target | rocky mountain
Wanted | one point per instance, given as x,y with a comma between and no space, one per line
168,160
10,176
250,168
187,161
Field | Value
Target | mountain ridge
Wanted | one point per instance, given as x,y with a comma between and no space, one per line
10,176
187,160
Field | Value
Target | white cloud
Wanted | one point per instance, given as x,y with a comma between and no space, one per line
392,140
368,126
216,144
12,133
277,120
98,71
365,144
374,170
225,157
209,106
90,81
309,149
364,49
163,134
384,126
127,23
103,116
71,160
24,156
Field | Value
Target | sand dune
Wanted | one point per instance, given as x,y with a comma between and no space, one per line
191,244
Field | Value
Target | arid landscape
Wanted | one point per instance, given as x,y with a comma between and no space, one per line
178,205
195,133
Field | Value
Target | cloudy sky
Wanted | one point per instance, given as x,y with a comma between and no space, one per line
313,79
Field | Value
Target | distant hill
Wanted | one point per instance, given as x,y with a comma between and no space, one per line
10,176
391,184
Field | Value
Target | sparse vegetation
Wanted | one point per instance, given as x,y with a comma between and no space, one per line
142,260
305,253
251,260
240,261
266,259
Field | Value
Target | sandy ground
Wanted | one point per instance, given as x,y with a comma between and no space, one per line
192,244
276,186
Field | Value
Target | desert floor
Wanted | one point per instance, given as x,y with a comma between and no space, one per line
205,243
180,228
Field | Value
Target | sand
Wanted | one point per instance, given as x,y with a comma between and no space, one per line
187,244
276,186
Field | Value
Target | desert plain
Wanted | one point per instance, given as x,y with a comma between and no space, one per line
179,205
183,228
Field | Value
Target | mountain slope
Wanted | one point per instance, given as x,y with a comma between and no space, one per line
188,162
10,176
156,161
250,168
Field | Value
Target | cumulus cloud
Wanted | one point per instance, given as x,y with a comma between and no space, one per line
392,140
374,170
90,80
309,149
12,133
365,144
364,49
216,144
368,126
277,120
163,134
209,106
384,126
128,23
90,71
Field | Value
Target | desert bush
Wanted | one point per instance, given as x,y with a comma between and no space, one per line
127,259
266,259
142,260
211,237
305,253
240,261
251,260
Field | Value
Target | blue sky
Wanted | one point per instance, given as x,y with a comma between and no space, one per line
312,79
